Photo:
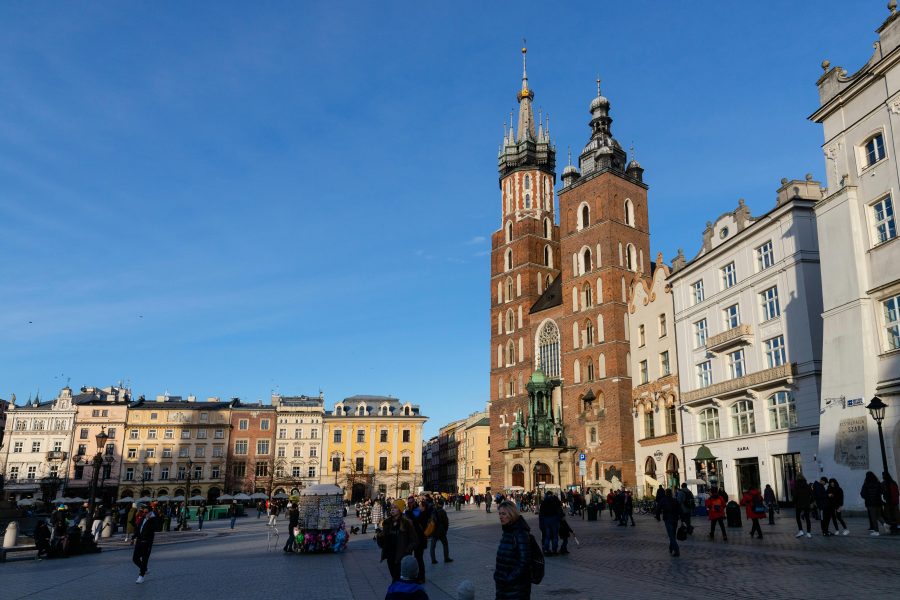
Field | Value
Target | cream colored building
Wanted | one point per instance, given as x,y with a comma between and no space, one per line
171,442
655,397
299,441
373,446
474,454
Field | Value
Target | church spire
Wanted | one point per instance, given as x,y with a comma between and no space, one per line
525,96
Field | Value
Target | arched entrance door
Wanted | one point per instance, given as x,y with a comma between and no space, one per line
542,474
358,492
650,481
518,476
212,495
672,472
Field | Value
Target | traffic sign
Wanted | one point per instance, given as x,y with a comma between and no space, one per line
582,456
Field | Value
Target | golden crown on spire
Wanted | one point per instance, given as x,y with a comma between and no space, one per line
524,92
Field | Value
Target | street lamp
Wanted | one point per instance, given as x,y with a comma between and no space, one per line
877,408
97,462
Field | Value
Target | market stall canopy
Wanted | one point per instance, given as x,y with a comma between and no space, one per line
78,499
695,482
145,499
323,489
258,496
126,499
280,496
241,497
163,498
226,497
25,502
197,498
178,498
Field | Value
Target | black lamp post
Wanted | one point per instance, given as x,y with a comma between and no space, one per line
187,493
877,408
97,463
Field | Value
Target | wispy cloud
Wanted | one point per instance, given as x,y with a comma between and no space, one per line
478,239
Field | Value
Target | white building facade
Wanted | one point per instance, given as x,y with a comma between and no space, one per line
299,435
36,450
749,345
654,376
860,264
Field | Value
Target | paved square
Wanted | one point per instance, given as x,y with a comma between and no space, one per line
630,562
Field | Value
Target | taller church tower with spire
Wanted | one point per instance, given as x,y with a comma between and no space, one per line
559,321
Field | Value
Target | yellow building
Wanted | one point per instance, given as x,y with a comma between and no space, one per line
474,454
373,446
175,447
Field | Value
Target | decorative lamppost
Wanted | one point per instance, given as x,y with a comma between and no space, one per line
96,463
877,408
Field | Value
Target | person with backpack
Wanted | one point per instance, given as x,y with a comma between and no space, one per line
755,507
771,503
715,507
441,526
685,499
872,497
668,509
515,569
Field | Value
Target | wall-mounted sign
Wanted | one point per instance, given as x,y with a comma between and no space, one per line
743,448
851,446
855,402
658,455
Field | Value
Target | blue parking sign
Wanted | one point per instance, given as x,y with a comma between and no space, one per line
582,456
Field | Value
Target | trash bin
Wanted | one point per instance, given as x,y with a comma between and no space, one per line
592,511
733,514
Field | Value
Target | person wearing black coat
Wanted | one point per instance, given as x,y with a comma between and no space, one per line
802,501
143,543
512,573
442,525
419,516
669,511
836,503
550,513
293,521
871,495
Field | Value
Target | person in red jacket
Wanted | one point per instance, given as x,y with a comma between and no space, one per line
715,507
753,504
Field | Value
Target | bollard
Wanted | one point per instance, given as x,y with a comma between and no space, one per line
107,527
12,532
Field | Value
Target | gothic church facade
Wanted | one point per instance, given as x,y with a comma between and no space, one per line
560,374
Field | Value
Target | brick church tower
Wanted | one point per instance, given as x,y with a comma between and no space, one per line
524,260
559,329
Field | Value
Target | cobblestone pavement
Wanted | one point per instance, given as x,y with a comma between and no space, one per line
220,563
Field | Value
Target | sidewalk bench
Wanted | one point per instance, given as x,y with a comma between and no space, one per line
19,548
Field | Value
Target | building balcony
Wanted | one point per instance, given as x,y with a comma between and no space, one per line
736,336
742,385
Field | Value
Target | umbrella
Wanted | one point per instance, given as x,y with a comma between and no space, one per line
63,500
695,482
197,498
258,496
225,497
178,498
25,502
163,498
145,499
241,497
78,499
126,499
280,496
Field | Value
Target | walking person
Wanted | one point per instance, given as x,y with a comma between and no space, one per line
365,516
669,510
396,539
836,502
441,526
487,502
628,509
416,512
201,514
293,522
143,544
771,502
802,500
686,502
232,513
891,501
755,508
378,513
872,497
130,523
550,513
512,572
715,506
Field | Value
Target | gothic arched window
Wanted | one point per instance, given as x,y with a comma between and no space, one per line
585,216
629,212
548,349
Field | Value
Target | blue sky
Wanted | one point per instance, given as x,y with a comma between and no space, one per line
225,201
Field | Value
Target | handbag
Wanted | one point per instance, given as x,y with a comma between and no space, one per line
681,534
430,528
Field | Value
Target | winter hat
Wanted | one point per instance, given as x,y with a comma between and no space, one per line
409,568
400,504
465,591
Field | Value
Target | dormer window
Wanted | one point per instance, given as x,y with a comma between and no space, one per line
874,149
